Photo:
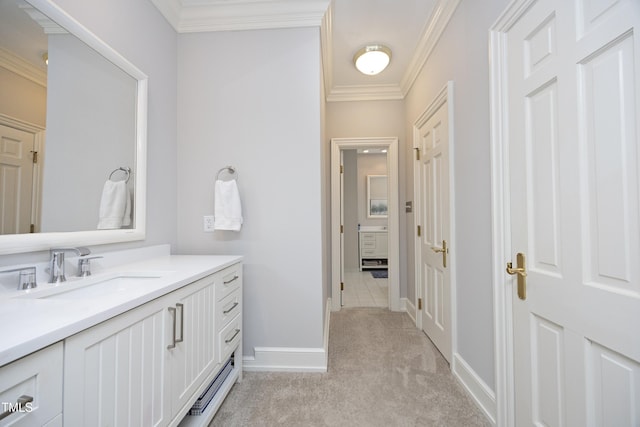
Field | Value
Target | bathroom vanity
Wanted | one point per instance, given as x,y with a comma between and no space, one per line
372,248
137,344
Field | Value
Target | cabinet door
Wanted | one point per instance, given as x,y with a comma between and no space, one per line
115,372
193,358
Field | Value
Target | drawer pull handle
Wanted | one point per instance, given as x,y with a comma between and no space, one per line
236,277
20,403
235,304
173,344
227,341
181,307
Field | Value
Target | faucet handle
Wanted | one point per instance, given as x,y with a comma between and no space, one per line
84,267
27,277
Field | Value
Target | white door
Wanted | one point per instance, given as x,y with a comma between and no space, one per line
432,198
573,98
16,180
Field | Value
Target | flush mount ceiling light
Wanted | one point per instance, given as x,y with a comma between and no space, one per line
372,59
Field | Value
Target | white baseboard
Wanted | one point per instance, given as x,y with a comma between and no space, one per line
284,359
409,307
483,396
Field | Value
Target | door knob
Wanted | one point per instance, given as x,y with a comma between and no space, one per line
521,272
443,250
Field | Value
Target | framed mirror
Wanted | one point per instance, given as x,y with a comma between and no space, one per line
377,203
95,133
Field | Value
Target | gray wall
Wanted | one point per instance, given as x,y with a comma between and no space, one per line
252,99
373,119
144,37
22,99
461,56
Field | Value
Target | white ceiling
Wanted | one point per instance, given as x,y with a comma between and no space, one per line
409,27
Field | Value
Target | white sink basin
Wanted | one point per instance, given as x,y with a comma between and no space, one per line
98,287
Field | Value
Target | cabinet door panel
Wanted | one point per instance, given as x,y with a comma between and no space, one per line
193,358
115,371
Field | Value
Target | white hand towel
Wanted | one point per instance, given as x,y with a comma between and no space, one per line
113,205
227,209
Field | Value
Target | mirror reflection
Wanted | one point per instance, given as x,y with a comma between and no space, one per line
67,130
377,196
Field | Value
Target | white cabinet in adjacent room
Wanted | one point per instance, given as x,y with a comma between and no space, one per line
373,249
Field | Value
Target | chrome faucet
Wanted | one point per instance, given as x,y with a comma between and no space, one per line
56,265
27,277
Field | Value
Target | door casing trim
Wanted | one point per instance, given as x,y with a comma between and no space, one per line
500,214
393,224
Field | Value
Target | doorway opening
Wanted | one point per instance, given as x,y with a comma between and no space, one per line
365,222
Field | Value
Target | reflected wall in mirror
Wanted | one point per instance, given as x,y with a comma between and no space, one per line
65,128
377,196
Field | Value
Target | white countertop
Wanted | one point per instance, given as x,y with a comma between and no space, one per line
32,324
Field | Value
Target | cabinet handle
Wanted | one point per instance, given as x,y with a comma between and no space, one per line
181,306
236,277
173,344
227,341
235,304
22,400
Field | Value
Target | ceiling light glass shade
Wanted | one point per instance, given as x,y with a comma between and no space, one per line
372,59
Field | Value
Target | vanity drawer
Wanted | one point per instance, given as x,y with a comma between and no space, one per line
37,376
229,338
229,280
228,308
369,252
367,244
368,237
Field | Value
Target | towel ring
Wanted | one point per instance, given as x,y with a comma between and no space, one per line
126,170
231,170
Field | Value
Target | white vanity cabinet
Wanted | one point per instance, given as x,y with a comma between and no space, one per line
115,373
373,249
148,366
35,380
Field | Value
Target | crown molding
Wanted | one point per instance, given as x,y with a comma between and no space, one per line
215,15
442,13
170,9
219,15
326,46
19,66
390,92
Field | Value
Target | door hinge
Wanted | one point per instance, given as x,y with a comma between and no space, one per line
419,303
35,156
341,169
417,153
419,231
342,286
32,228
341,229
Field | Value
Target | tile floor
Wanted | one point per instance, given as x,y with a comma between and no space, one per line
362,290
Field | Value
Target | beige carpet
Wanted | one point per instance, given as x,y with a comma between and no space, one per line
382,372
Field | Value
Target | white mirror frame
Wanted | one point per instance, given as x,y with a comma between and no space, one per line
375,180
20,243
